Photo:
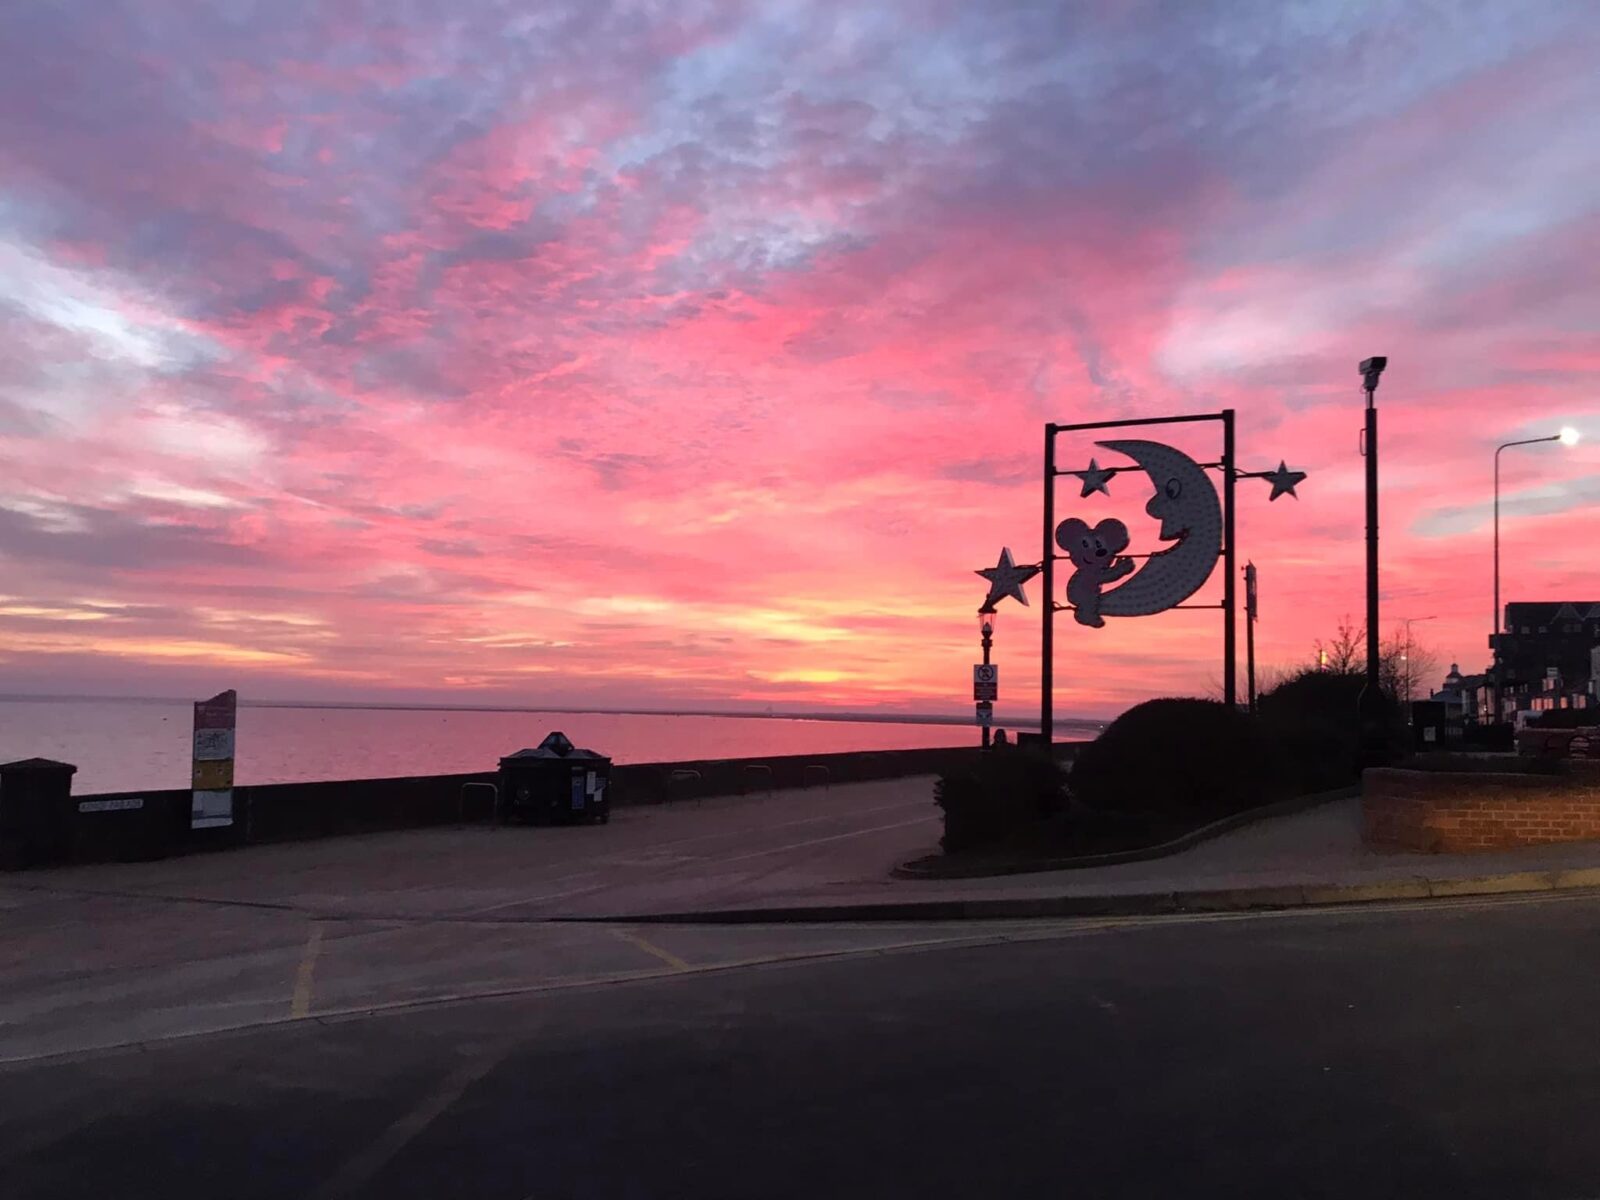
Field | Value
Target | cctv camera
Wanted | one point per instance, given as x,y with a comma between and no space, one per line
1374,365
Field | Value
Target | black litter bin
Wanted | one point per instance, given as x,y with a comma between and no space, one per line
35,812
555,783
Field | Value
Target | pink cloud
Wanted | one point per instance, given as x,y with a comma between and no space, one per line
651,360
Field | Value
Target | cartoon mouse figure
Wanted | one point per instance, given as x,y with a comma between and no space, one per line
1094,552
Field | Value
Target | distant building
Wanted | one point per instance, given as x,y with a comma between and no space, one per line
1549,658
1458,694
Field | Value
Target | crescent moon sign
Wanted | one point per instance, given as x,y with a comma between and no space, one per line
1186,505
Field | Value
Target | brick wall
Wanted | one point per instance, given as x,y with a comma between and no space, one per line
1440,812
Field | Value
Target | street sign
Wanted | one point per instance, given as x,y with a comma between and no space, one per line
216,776
985,714
119,805
211,802
213,745
985,673
986,691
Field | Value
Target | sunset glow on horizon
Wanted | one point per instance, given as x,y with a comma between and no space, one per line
697,353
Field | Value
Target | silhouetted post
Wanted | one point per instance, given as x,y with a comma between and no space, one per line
986,629
1250,632
1374,714
1047,624
1230,632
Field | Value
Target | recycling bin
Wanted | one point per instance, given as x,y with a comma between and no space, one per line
555,782
35,812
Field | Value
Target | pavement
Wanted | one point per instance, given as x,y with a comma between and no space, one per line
1423,1049
102,956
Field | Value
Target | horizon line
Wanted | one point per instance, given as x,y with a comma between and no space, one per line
840,715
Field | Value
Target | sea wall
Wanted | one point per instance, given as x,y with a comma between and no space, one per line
113,828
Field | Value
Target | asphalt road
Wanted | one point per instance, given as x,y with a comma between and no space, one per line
1443,1049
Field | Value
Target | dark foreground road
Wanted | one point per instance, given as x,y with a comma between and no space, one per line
1407,1052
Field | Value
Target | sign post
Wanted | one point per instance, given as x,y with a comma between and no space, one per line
212,777
1005,579
1192,517
1250,631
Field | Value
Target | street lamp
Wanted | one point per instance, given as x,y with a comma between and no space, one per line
1568,436
986,623
1405,657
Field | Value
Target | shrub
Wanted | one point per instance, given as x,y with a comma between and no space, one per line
1501,736
1314,721
1177,757
1007,791
1314,724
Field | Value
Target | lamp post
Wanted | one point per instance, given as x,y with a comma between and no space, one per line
986,619
1567,437
1373,710
1405,657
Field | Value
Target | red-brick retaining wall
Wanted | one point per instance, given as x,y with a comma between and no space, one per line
1442,812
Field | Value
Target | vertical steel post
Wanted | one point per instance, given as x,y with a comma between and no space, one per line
1250,633
988,641
1230,652
1048,618
1373,681
1373,706
1494,629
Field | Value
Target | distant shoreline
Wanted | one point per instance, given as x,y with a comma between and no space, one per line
1000,721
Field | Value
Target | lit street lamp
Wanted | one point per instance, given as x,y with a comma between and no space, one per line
1567,437
1405,657
986,619
1005,579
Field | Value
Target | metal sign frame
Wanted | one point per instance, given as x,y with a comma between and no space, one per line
1229,603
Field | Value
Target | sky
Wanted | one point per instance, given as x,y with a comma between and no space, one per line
691,352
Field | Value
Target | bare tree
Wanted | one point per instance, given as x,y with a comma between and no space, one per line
1343,654
1405,665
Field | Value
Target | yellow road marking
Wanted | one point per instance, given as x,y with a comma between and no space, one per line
360,1169
666,956
301,1004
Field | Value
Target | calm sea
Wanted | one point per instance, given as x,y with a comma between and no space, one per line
119,745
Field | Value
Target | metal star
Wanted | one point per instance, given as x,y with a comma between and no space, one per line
1006,579
1094,478
1283,480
